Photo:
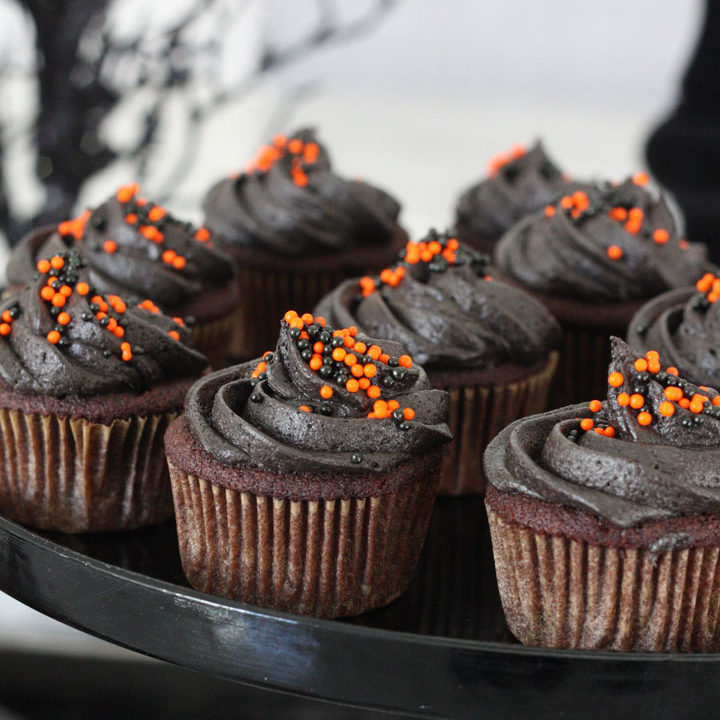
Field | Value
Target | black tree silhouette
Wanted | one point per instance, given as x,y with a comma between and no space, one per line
84,70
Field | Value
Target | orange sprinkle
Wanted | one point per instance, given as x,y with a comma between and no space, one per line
326,392
614,252
653,366
315,362
673,393
615,379
352,385
623,399
350,358
408,413
43,266
640,178
619,214
168,256
610,431
64,318
566,202
290,315
661,236
356,370
82,288
58,300
549,210
595,406
370,370
636,401
304,408
384,358
119,331
587,424
307,318
125,194
126,355
109,246
667,409
53,337
295,146
202,234
7,317
156,213
174,334
644,418
65,290
405,361
47,293
672,370
310,153
339,354
363,382
641,365
716,400
179,262
373,392
684,403
5,328
374,351
131,218
652,355
297,323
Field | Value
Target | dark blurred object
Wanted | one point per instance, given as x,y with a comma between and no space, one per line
60,687
684,151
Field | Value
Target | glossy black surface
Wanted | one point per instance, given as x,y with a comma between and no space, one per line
441,650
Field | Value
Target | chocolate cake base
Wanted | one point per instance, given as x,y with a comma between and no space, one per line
329,555
87,464
483,402
567,579
272,284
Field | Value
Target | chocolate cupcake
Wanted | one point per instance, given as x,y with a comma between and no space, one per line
519,183
605,519
88,386
594,258
296,230
683,325
490,345
135,248
305,481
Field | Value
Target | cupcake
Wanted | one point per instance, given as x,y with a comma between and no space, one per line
490,345
135,248
88,386
605,517
519,182
594,258
296,230
305,481
683,325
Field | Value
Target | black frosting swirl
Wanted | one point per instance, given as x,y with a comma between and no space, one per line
240,420
570,252
85,356
269,208
135,269
516,188
669,467
449,315
684,327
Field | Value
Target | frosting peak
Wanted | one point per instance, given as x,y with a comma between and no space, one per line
325,399
61,336
441,302
650,450
684,326
133,247
609,243
288,200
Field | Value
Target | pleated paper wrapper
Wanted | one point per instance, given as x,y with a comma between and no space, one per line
214,339
73,475
327,558
267,294
477,415
560,592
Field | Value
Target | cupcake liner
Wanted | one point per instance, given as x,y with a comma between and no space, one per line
327,558
73,475
214,338
267,294
477,414
582,371
565,593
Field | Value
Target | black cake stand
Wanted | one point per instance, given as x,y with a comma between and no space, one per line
440,650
